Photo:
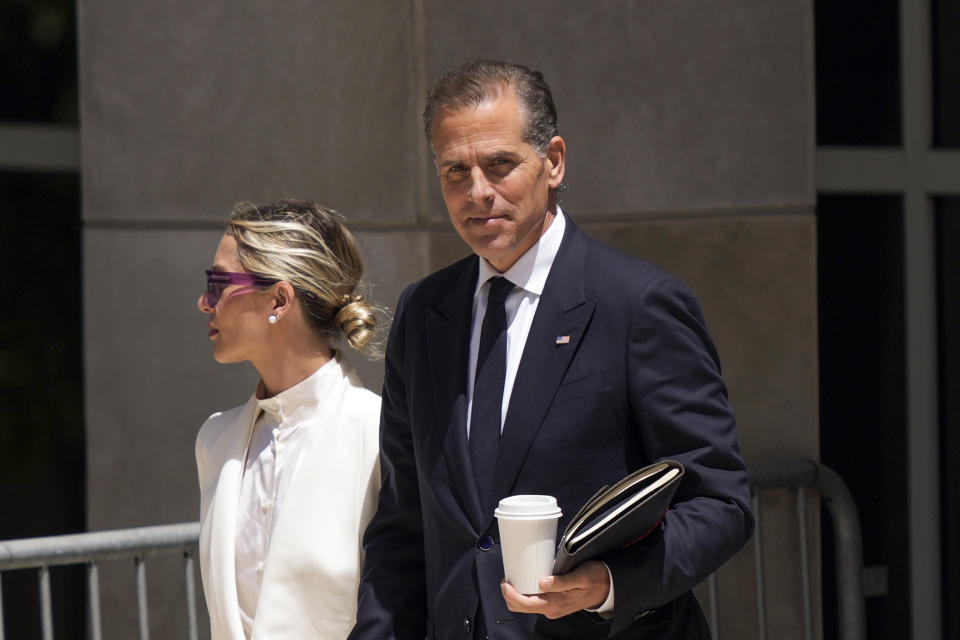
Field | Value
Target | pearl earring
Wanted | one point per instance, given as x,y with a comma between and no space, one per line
272,318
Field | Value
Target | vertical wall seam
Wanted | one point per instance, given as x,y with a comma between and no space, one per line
419,84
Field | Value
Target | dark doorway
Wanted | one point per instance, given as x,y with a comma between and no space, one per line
41,396
948,271
42,454
862,395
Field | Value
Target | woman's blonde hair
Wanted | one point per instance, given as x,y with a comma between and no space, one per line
308,246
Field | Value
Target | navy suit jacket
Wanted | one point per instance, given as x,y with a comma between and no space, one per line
638,381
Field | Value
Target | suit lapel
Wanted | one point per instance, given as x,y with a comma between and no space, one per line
563,312
448,343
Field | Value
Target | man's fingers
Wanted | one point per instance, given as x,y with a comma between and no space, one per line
566,582
520,603
551,605
583,577
554,604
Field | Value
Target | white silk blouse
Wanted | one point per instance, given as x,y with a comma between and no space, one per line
280,436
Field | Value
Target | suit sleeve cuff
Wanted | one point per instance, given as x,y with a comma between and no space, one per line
607,606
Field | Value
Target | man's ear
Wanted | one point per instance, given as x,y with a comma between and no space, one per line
556,157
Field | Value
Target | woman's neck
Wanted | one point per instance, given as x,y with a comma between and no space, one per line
286,365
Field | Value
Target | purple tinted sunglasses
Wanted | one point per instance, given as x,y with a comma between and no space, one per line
217,281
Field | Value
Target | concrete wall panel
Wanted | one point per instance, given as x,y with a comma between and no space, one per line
190,105
665,106
394,260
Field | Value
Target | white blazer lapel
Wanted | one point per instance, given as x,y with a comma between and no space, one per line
218,527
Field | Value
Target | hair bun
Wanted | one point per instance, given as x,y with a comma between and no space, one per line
357,321
307,245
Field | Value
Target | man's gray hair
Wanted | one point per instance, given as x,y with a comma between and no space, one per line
473,84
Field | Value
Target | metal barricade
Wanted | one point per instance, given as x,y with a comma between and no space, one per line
801,475
92,548
140,543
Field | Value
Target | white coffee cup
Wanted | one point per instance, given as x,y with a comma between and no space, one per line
528,538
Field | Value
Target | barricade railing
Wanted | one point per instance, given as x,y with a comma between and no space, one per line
140,543
800,475
92,548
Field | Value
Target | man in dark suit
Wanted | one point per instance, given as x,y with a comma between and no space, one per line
546,363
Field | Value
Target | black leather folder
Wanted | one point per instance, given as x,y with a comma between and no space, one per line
618,516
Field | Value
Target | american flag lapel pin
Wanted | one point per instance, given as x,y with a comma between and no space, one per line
563,339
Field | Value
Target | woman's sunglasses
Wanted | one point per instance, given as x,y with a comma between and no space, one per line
217,281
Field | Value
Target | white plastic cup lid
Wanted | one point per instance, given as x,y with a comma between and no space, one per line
528,507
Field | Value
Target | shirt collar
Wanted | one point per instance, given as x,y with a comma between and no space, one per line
296,404
530,271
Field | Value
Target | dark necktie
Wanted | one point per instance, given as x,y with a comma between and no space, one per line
488,390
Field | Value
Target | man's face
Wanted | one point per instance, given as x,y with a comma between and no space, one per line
497,188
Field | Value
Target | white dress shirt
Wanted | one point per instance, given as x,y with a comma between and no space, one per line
529,275
280,436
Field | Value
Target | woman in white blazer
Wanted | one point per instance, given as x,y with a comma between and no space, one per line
289,480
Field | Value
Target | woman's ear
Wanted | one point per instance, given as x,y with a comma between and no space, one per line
283,298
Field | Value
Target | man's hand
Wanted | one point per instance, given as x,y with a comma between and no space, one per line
586,587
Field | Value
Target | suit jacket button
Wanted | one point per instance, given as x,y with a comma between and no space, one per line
466,627
485,543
